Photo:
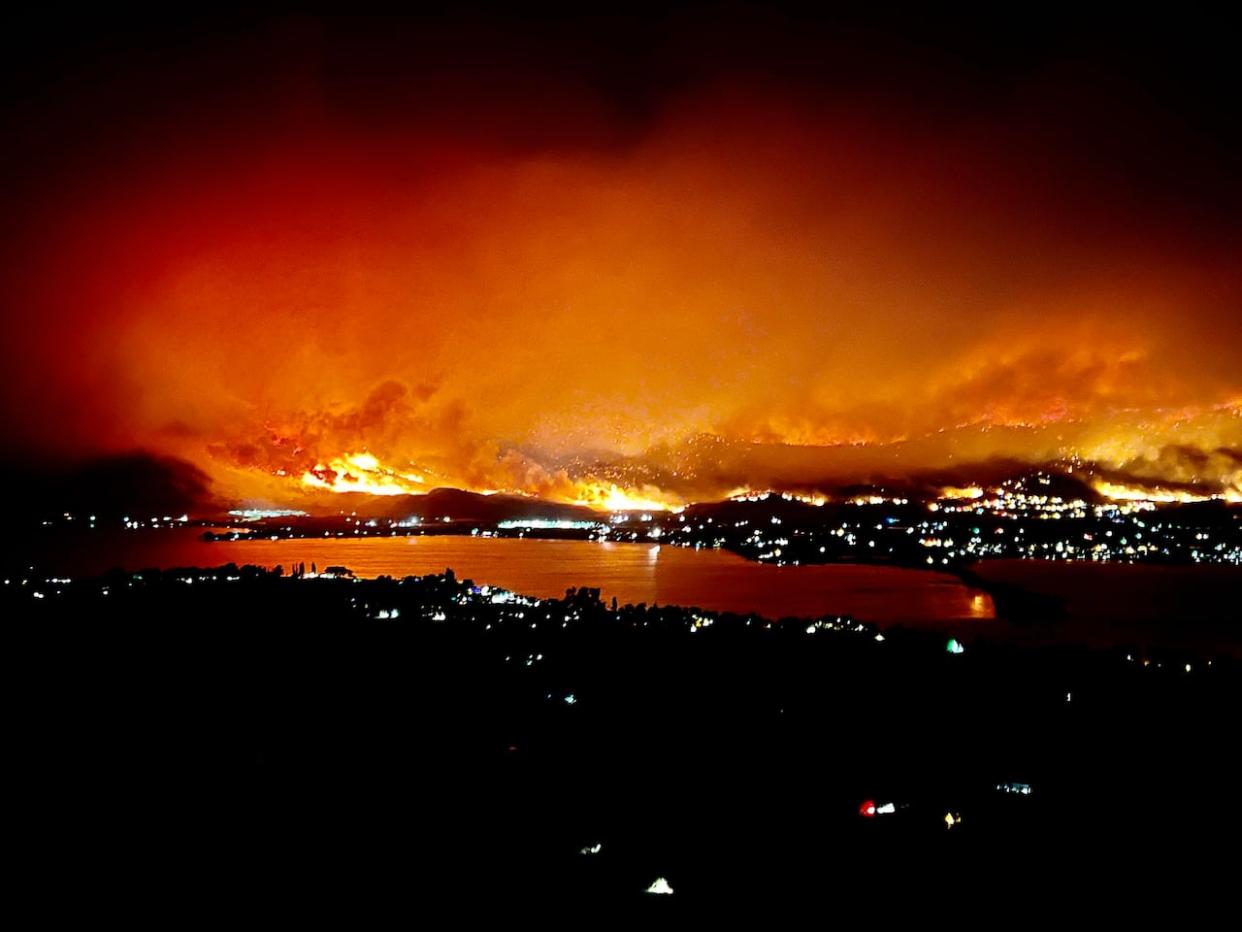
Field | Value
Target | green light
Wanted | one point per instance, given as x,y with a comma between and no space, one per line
955,646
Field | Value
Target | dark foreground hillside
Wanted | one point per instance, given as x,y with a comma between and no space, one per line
200,735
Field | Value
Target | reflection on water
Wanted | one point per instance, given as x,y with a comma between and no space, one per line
711,579
1184,606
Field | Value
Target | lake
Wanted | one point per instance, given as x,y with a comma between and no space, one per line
1192,607
711,579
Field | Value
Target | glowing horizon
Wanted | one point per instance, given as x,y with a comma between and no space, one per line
751,282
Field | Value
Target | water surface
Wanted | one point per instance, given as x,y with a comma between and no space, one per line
1194,607
712,579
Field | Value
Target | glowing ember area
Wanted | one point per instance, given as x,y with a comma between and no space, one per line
952,492
1135,493
362,472
609,497
806,498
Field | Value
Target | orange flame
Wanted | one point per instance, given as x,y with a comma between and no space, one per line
1137,493
362,472
954,492
608,496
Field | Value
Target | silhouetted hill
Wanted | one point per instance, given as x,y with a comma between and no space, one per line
139,484
458,505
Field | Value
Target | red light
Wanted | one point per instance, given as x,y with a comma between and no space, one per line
867,809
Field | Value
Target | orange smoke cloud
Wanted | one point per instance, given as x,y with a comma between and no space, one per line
739,295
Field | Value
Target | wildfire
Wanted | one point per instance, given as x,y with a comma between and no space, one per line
750,495
362,472
954,492
608,496
1135,493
